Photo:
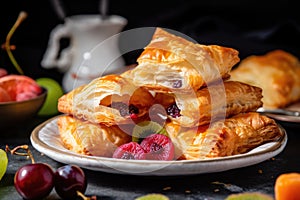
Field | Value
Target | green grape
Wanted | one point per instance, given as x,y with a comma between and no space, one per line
153,197
3,163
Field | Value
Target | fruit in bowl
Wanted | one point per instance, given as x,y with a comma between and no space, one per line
20,99
18,88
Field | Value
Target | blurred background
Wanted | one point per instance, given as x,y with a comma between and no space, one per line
250,26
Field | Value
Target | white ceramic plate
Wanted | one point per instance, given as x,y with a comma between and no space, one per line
45,138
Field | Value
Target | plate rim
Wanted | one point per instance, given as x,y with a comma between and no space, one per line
98,164
285,118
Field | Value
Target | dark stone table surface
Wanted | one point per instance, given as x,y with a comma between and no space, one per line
256,178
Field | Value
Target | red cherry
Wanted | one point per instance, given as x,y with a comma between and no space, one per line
34,181
130,151
70,179
158,147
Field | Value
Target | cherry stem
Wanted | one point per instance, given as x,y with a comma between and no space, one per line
86,198
22,16
24,147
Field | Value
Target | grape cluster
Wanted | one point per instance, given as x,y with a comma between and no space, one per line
37,180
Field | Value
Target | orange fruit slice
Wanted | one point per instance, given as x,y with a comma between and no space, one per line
287,186
20,87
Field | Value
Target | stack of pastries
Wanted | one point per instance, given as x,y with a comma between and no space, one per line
181,85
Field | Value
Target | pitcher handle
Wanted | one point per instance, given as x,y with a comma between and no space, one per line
50,58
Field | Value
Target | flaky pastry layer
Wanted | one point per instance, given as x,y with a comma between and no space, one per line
170,62
95,101
236,135
91,139
211,103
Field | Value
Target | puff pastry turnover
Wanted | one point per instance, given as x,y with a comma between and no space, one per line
110,99
90,139
210,103
170,62
277,73
236,135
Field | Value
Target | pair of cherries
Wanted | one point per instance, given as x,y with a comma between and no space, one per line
37,180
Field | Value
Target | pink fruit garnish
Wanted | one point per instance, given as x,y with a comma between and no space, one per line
4,96
158,147
3,72
20,87
130,151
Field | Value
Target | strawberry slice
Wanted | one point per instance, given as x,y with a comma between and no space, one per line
20,87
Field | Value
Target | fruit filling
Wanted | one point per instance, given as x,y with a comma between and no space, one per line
177,84
125,110
173,111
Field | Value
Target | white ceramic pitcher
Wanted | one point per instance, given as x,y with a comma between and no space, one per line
93,49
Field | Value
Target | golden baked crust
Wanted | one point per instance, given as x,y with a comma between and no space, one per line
211,103
95,102
236,135
171,62
277,73
90,139
216,116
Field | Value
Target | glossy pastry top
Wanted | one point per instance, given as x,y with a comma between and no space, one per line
169,48
277,73
170,62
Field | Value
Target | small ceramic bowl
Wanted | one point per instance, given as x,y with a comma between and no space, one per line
14,113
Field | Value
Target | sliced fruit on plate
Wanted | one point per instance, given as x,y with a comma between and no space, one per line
20,87
158,147
146,128
130,151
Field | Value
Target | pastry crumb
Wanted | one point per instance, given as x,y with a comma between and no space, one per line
167,188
